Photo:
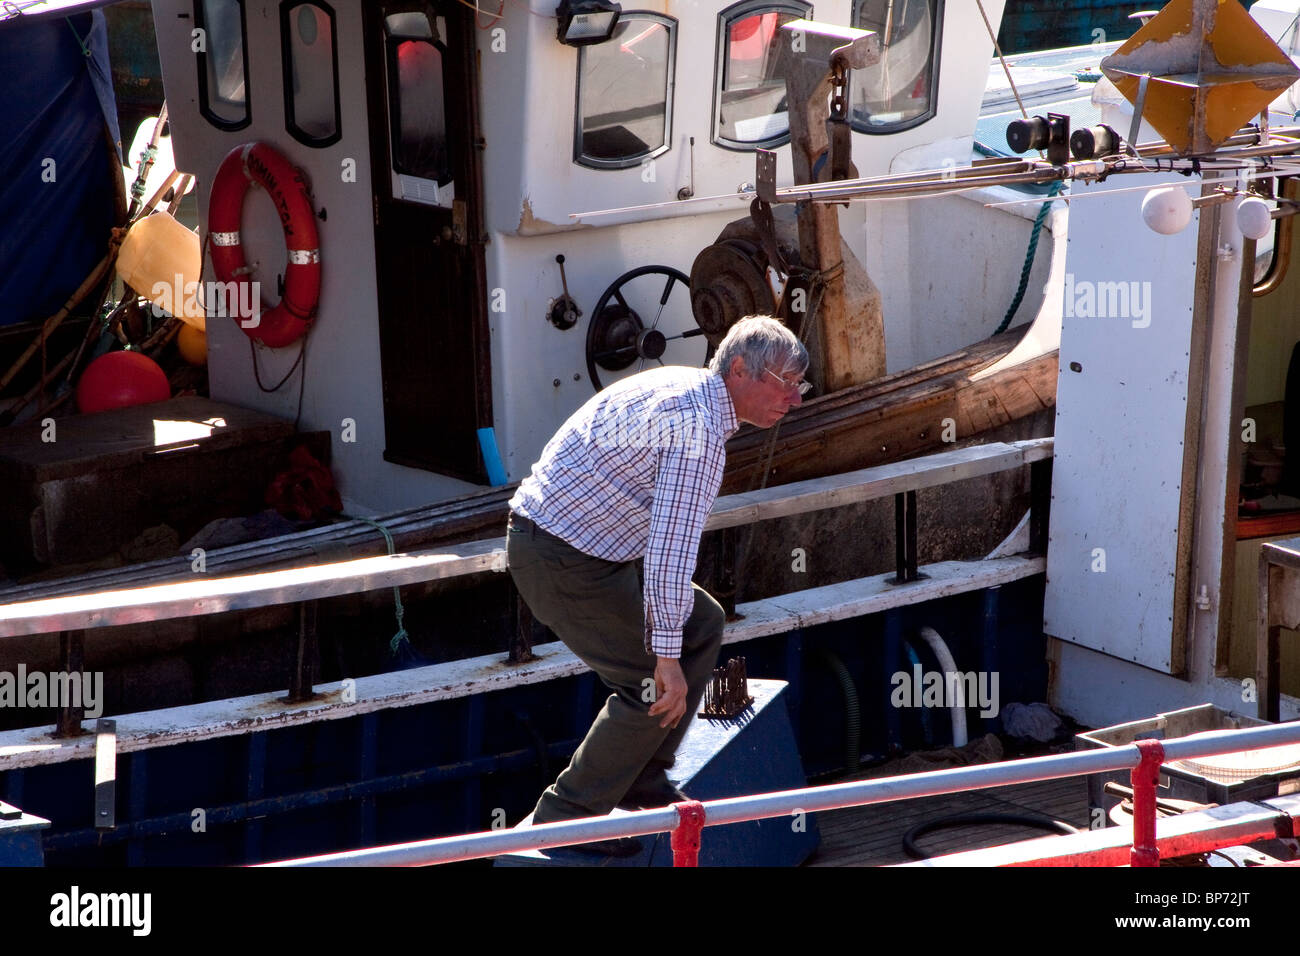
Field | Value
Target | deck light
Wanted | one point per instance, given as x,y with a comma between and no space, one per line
1254,218
582,22
1167,210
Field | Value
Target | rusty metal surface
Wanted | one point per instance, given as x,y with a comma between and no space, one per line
1200,69
846,338
727,693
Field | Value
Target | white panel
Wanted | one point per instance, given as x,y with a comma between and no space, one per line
1120,418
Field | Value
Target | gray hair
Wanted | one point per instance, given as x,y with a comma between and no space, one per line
761,342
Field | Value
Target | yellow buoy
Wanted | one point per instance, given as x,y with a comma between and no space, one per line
160,259
192,343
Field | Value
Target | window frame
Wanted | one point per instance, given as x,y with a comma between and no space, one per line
590,162
738,11
392,81
201,60
936,52
286,59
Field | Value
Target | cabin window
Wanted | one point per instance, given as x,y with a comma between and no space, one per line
625,93
421,154
311,73
222,58
749,108
901,90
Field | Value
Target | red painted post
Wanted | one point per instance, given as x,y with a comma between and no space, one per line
685,837
1145,776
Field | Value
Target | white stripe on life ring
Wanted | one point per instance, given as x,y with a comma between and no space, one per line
303,257
224,238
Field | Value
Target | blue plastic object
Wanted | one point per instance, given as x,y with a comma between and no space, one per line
487,441
58,160
753,753
20,837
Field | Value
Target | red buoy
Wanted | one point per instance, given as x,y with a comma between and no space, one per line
119,380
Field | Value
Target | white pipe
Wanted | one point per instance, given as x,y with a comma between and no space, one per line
949,666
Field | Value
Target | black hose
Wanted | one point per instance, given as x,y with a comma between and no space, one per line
852,713
967,819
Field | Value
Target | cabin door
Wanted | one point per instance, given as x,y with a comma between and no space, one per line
1128,408
422,99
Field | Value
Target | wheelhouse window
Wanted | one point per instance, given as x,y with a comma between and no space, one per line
311,74
901,90
222,57
749,108
421,154
625,93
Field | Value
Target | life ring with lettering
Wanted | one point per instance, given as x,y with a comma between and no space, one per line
287,186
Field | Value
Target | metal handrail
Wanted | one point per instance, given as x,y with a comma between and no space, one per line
809,799
201,596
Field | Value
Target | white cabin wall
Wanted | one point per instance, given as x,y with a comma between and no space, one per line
529,192
948,269
929,311
533,353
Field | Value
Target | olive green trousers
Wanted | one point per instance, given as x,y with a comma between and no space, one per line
596,608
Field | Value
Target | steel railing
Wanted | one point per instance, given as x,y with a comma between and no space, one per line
685,821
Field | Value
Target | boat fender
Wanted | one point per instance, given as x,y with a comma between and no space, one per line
262,164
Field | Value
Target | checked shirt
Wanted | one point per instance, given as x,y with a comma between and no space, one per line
634,473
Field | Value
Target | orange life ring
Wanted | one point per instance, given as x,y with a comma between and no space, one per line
287,186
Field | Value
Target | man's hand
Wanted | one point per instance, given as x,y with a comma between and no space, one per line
670,683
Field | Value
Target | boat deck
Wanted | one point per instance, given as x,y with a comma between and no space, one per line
873,835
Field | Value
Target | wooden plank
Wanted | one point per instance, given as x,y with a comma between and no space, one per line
1268,525
896,417
212,596
837,602
873,835
880,481
462,678
409,529
125,435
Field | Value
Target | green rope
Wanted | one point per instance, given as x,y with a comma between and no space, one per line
398,611
1029,256
85,50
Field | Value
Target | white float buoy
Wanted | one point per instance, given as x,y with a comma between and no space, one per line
1254,218
1167,210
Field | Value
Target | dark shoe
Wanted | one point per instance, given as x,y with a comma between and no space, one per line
620,848
651,792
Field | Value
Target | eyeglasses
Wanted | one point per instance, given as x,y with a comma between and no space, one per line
802,386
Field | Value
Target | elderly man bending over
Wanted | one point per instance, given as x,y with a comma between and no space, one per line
628,481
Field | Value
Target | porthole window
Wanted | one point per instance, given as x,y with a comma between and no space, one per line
421,156
749,107
222,56
625,93
902,89
311,74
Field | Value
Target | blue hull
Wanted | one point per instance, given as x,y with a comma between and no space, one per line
453,766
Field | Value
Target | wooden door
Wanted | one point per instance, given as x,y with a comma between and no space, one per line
422,94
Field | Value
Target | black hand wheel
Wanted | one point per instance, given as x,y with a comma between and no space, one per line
618,336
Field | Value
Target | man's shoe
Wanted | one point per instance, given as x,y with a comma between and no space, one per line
651,793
